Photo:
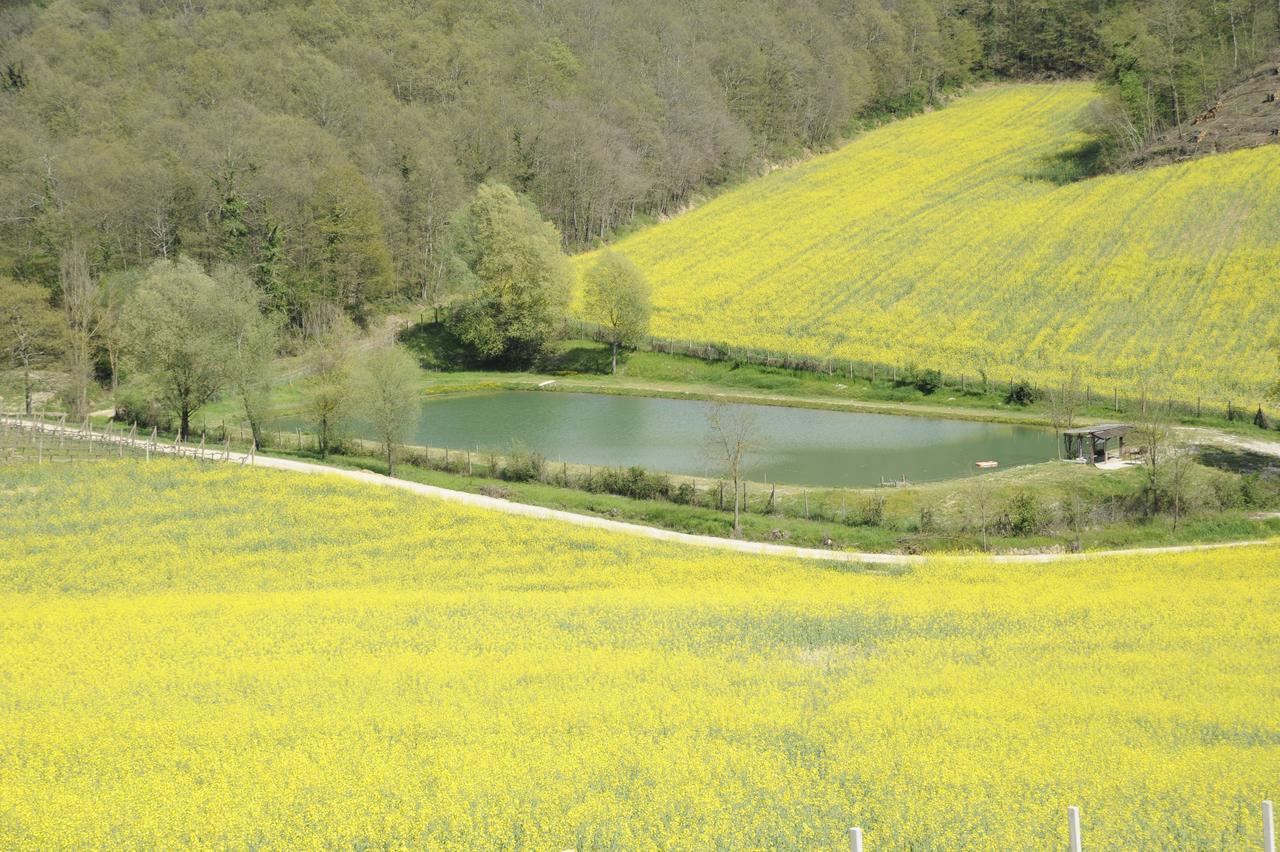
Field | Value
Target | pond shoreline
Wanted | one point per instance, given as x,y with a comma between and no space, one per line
791,446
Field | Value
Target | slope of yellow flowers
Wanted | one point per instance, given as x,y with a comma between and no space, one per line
930,241
228,657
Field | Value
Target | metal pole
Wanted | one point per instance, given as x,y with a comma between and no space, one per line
1073,826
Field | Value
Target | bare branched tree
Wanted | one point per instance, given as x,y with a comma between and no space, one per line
733,436
1064,401
1156,438
32,334
81,302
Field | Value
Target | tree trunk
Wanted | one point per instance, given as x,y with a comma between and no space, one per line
737,495
391,469
26,387
184,427
615,357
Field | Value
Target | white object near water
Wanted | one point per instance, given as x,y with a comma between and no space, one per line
546,383
1073,827
855,840
1268,827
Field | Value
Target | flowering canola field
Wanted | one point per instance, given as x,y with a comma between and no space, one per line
215,656
930,242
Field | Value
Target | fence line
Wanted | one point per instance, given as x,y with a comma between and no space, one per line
1112,396
1075,837
99,443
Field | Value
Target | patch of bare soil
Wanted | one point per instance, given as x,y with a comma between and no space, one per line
1246,115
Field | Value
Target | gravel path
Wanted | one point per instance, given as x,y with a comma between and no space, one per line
541,512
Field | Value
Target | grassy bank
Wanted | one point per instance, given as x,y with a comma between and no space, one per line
583,365
1023,509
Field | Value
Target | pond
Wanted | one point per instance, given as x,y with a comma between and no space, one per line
796,446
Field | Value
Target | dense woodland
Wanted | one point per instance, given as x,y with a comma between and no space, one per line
321,147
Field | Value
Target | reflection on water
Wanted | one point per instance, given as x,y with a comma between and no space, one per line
796,445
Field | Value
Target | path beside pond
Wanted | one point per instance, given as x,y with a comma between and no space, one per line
543,513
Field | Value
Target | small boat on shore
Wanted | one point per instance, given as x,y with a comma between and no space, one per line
986,464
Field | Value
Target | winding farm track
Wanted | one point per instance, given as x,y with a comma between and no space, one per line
543,513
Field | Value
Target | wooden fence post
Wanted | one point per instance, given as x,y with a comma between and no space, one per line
1268,828
855,839
1073,828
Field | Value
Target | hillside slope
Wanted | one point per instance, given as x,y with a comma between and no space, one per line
931,241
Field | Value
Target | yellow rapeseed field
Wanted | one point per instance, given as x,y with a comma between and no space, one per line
216,656
930,242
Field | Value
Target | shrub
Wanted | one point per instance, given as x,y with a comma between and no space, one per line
869,513
523,466
633,482
134,405
685,494
1023,514
928,381
925,381
928,520
1022,393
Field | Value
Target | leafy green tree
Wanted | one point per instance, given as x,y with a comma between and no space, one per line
513,276
269,270
618,298
327,382
388,397
32,334
116,289
251,344
176,333
232,218
350,256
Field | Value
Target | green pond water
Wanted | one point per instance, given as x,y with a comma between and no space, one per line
796,446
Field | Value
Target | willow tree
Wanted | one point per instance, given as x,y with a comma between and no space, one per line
175,333
388,397
252,338
617,297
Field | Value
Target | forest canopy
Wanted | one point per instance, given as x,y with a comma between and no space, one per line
322,146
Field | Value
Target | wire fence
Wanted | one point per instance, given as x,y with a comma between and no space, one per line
40,438
1114,397
858,842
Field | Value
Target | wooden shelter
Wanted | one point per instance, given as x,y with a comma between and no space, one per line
1093,443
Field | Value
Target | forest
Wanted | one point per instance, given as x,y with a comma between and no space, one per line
321,147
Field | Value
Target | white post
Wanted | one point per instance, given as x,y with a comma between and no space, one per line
1073,825
1268,828
855,839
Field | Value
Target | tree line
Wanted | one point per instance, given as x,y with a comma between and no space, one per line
183,335
322,146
